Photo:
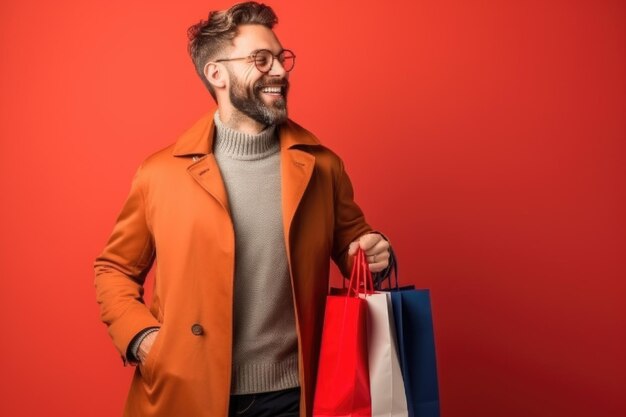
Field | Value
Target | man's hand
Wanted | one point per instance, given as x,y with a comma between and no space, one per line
145,346
376,249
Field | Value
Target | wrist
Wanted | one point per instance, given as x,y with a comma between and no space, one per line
133,348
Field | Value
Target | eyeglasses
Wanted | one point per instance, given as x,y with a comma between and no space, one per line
264,59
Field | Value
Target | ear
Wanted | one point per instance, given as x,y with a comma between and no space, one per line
215,74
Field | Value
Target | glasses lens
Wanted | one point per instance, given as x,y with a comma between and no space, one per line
263,60
287,59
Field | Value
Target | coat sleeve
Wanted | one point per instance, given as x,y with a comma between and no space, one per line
350,222
121,270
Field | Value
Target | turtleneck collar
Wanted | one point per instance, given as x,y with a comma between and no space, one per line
244,146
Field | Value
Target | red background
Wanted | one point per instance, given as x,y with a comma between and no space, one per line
486,138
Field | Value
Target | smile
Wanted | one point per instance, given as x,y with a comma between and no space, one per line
272,90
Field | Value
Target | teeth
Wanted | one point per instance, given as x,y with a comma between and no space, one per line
271,90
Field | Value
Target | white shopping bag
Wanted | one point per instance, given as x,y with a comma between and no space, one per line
386,384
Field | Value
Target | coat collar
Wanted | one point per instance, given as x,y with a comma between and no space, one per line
198,140
296,165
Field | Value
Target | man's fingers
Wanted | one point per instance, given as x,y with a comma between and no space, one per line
376,249
368,241
378,266
352,248
380,248
377,257
378,254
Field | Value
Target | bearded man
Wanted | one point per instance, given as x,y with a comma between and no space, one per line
241,214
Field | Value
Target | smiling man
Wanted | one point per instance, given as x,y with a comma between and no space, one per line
241,214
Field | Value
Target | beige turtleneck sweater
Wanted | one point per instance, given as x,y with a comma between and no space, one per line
265,346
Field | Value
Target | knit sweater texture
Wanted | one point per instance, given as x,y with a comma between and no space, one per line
265,345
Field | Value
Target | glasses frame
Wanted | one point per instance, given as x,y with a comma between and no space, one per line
252,57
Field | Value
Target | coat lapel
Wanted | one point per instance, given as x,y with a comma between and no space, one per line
197,144
296,168
207,173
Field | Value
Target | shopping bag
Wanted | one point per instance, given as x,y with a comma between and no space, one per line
342,388
386,384
416,344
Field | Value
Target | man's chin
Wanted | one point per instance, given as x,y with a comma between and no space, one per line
279,102
273,113
278,112
278,119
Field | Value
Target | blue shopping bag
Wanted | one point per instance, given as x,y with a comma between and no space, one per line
416,347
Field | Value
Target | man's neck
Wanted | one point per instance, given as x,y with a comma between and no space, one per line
240,122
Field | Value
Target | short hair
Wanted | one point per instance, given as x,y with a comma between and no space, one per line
209,37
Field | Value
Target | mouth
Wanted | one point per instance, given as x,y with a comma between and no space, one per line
274,90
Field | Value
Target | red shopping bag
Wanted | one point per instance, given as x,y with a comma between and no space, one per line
343,387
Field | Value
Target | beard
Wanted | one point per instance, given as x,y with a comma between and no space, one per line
250,102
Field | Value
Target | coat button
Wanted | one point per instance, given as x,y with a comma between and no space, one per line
197,329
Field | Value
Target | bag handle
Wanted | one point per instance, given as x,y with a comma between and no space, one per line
392,268
360,277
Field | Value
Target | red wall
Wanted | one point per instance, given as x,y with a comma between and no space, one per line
485,138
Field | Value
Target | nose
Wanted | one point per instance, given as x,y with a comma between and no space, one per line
277,69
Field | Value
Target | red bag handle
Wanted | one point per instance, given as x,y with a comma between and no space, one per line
361,276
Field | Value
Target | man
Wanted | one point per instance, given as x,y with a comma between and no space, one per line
242,215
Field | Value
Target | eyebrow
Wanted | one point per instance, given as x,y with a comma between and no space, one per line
266,49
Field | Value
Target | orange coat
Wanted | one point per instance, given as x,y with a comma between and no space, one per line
177,214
